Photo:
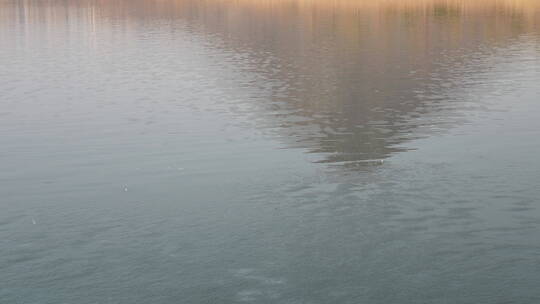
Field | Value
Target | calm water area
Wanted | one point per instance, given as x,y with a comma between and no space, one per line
269,151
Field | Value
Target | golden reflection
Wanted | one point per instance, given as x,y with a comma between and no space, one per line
360,72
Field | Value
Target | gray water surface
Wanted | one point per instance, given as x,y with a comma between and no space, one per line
269,151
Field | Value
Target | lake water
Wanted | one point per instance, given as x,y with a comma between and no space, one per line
269,151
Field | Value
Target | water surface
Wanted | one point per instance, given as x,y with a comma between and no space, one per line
269,151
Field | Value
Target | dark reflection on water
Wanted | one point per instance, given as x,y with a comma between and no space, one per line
269,151
363,77
361,74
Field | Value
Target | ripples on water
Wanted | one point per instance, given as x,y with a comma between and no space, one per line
272,151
